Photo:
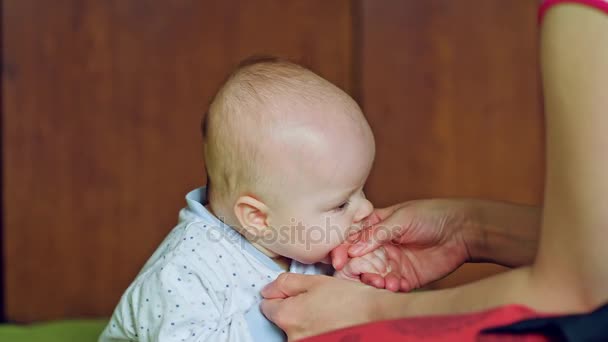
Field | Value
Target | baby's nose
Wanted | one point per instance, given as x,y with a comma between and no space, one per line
364,211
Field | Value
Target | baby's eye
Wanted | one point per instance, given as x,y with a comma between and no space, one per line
342,206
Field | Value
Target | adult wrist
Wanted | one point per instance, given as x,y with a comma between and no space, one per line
475,234
500,232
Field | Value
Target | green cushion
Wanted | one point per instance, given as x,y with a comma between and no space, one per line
60,331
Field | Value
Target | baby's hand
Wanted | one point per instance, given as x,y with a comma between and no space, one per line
375,262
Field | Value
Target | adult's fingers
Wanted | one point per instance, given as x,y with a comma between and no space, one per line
392,282
401,267
381,214
384,230
373,279
375,237
270,307
289,285
406,285
339,256
371,220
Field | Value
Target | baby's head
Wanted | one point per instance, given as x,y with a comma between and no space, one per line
287,154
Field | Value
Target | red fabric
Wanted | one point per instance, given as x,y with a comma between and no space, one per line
601,5
460,328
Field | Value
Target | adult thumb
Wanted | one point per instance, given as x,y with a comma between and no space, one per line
288,285
375,236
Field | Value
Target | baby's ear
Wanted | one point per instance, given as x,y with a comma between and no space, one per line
252,214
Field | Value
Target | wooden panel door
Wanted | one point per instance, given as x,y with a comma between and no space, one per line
451,89
101,108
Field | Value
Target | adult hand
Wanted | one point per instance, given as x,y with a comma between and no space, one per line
425,241
375,268
385,278
308,305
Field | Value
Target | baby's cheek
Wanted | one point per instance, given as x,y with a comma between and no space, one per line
327,238
318,243
310,253
321,253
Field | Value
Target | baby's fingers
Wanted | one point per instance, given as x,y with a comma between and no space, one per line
346,273
358,266
390,281
377,261
373,279
368,264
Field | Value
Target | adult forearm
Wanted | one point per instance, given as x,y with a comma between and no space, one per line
518,286
572,250
502,233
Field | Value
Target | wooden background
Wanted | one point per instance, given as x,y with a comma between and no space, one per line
102,100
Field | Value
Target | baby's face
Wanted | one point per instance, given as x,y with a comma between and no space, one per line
321,200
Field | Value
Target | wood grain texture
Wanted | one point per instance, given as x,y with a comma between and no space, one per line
102,104
451,89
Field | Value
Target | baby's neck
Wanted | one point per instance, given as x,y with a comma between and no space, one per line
284,264
281,261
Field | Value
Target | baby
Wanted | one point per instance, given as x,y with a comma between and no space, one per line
287,154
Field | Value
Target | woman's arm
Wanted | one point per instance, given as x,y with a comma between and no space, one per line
502,233
569,273
572,251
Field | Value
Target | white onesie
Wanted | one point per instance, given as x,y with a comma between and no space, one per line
202,284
